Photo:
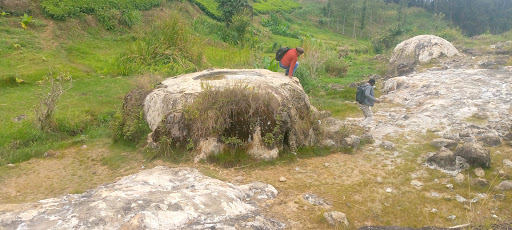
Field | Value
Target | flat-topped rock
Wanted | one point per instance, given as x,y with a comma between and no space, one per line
158,198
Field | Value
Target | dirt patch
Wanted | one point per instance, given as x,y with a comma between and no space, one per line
69,171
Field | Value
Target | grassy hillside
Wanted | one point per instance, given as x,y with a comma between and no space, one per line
105,45
106,58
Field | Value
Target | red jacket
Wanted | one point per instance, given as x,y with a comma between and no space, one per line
289,59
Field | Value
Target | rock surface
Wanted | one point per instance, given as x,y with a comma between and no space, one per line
163,109
446,161
505,185
421,48
475,154
158,198
445,103
446,143
336,219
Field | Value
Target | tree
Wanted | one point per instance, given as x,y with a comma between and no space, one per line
229,8
239,24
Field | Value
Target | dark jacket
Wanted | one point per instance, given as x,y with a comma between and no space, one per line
370,95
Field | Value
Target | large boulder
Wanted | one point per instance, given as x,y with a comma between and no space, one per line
269,111
475,154
158,198
420,49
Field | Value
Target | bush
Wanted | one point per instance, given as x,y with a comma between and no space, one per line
279,27
336,67
314,57
131,18
108,12
304,76
130,123
232,114
451,35
167,48
387,39
268,63
53,88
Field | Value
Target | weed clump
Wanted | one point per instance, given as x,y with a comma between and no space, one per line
167,48
130,124
232,114
44,110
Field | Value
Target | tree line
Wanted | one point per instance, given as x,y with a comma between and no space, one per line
474,17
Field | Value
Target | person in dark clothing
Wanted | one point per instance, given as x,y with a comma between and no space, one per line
289,61
369,101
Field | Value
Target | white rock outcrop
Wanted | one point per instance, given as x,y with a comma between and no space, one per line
423,48
158,198
163,108
419,49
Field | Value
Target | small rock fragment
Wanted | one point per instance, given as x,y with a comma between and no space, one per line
460,199
507,163
282,179
336,218
479,172
387,145
416,183
459,178
505,185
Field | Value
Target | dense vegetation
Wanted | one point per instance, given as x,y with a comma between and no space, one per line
472,16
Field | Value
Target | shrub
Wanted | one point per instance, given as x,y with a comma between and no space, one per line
130,123
387,39
167,48
131,18
452,35
232,114
53,88
336,67
279,27
304,76
108,18
268,63
314,57
239,24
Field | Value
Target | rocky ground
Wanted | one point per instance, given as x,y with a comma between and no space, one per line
387,182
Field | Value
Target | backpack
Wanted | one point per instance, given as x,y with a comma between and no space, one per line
360,96
281,52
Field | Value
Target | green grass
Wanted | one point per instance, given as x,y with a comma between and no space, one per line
110,13
269,6
81,111
209,7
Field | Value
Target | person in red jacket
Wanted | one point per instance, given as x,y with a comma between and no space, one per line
289,61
